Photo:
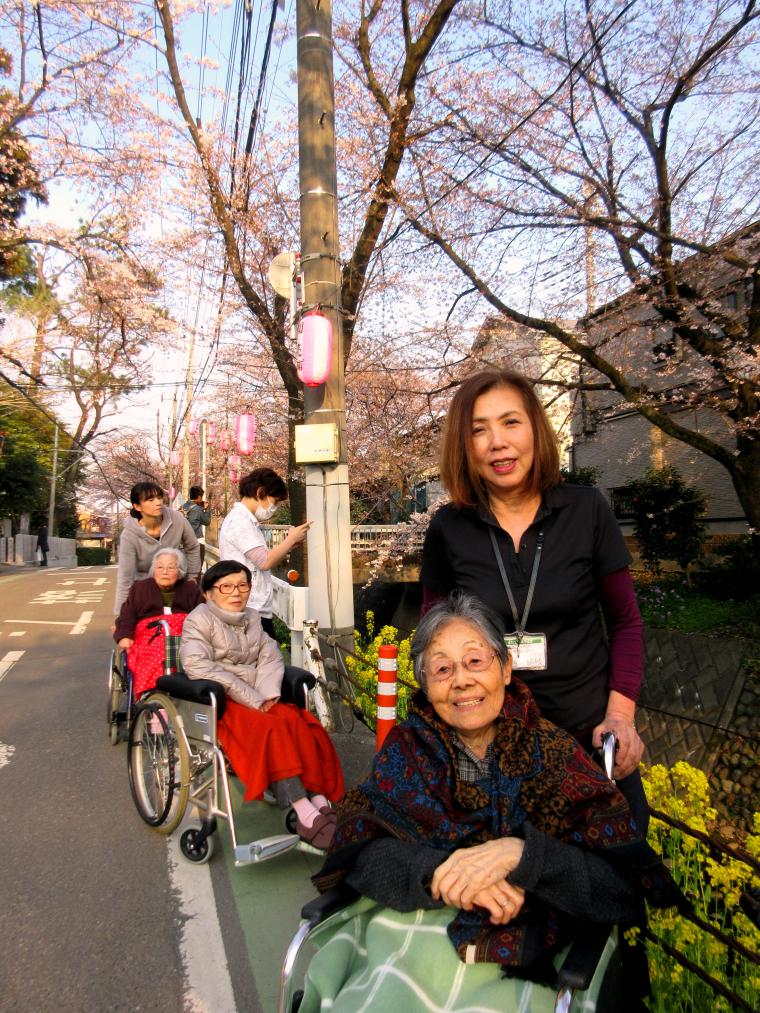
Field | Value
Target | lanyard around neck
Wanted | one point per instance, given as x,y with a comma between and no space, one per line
520,624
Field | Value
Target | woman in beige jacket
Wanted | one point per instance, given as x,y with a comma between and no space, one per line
268,743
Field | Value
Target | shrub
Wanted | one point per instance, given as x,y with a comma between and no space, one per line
362,668
713,885
580,476
667,518
93,555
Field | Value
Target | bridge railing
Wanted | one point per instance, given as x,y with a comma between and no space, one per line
364,537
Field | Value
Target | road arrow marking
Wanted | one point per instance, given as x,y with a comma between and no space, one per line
8,661
6,752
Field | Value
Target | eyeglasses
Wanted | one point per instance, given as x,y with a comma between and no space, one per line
226,589
475,661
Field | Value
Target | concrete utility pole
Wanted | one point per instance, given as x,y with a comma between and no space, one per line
327,502
53,481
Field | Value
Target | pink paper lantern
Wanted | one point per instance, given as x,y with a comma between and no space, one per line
211,433
172,494
245,433
234,475
192,426
224,440
314,352
174,457
234,461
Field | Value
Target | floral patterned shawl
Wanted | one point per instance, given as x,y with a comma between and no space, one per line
540,775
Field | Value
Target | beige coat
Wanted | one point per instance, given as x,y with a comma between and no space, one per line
232,649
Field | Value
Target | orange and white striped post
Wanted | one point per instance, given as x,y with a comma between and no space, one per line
387,666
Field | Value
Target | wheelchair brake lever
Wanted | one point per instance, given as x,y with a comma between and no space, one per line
609,747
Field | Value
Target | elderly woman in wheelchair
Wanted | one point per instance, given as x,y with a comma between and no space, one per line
488,833
269,744
141,656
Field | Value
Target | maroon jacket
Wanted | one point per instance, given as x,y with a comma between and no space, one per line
144,599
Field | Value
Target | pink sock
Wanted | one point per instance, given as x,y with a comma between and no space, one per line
305,811
318,801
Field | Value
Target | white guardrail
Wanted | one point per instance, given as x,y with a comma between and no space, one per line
291,604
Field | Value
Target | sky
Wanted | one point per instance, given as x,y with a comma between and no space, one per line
217,36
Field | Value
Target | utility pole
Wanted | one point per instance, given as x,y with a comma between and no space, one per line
327,500
53,480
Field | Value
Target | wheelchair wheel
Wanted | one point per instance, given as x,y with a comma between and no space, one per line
196,851
115,689
158,764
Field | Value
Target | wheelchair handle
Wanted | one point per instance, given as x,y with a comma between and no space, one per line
609,746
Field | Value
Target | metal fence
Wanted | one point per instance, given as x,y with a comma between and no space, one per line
364,537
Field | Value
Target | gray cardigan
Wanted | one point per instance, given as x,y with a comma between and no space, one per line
137,549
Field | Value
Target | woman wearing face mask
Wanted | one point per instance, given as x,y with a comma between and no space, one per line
241,537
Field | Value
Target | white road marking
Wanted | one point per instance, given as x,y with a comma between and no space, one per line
18,633
72,597
81,624
204,962
8,661
40,622
6,752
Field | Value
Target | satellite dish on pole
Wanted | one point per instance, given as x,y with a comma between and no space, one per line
281,274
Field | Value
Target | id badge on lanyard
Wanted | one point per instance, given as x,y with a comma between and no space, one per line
528,650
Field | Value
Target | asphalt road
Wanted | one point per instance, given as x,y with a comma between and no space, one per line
91,916
98,912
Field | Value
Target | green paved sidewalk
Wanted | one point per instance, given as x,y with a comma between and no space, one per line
269,895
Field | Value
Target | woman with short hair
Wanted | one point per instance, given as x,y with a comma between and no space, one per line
166,591
485,829
241,537
269,744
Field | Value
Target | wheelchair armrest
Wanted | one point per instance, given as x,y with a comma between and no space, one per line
320,908
194,690
583,956
295,682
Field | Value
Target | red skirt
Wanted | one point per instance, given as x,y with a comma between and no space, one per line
284,742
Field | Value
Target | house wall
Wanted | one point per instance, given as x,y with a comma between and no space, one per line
625,445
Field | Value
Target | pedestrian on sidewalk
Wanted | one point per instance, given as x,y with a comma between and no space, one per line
196,509
43,546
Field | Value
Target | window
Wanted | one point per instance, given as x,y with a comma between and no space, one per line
622,503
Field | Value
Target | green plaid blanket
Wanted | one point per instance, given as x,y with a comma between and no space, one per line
171,649
372,960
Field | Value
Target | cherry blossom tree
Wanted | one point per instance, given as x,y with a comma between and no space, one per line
589,152
252,203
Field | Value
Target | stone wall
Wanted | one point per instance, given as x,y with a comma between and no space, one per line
700,702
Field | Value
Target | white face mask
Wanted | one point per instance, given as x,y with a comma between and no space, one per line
264,513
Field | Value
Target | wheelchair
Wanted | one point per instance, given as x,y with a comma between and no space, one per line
119,697
121,682
588,972
174,760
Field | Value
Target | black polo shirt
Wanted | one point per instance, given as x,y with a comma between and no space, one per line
582,543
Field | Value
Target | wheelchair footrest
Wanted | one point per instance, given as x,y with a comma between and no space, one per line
267,847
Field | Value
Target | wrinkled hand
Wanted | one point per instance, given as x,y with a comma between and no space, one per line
502,901
630,747
125,643
269,704
467,871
